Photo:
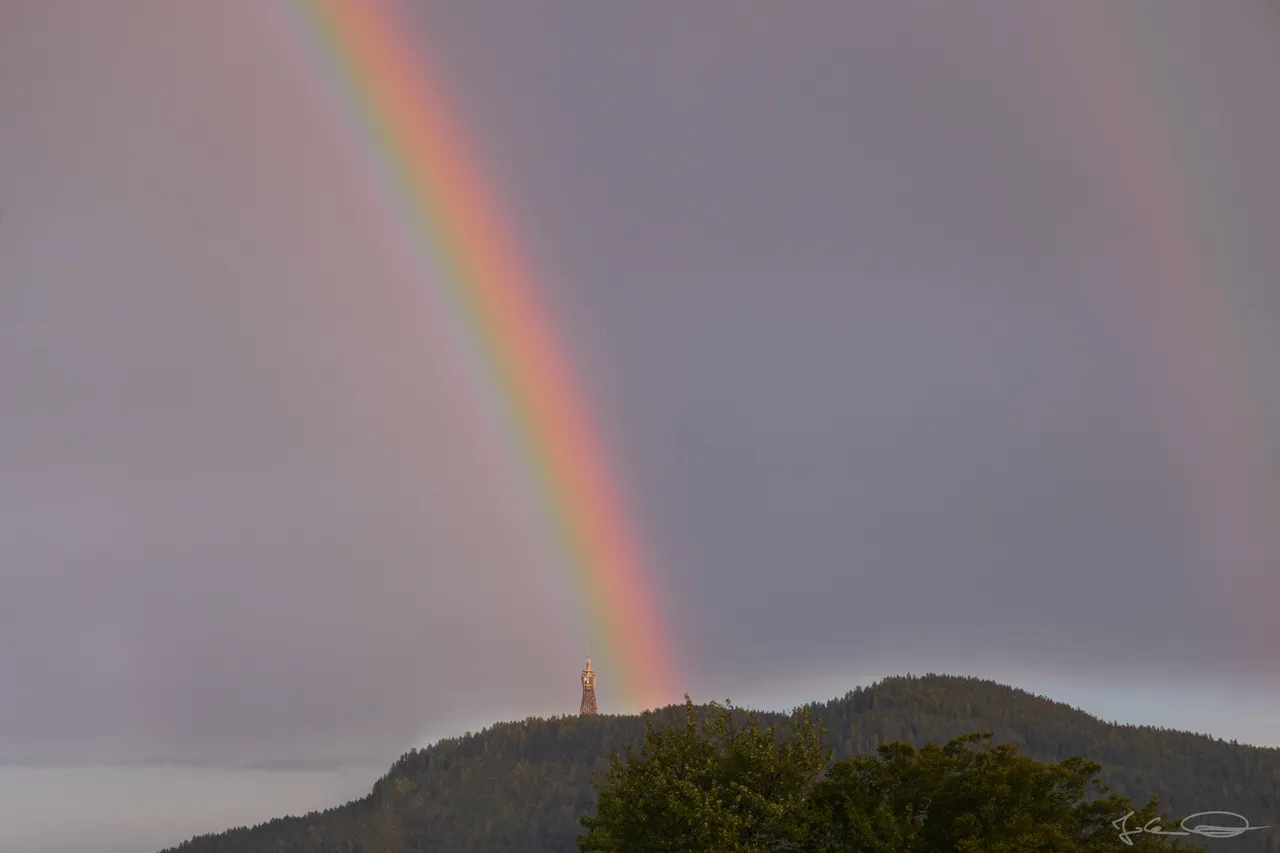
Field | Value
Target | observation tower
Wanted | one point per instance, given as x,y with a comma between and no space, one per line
588,690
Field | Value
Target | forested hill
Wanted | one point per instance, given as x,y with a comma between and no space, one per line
522,786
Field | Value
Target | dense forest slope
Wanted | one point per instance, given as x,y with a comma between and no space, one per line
522,786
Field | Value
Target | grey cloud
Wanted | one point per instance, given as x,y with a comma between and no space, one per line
855,291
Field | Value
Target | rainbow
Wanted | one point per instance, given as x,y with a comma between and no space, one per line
1190,326
482,294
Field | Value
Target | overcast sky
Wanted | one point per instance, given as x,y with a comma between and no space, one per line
925,336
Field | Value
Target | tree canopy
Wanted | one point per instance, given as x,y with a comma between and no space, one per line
714,785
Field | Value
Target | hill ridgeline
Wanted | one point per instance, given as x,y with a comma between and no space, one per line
520,787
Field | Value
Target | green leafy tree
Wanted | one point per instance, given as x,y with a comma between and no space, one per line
709,787
718,788
973,797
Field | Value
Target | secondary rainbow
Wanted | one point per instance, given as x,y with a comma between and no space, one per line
1192,329
483,295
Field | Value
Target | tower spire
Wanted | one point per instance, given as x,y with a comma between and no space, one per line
588,688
